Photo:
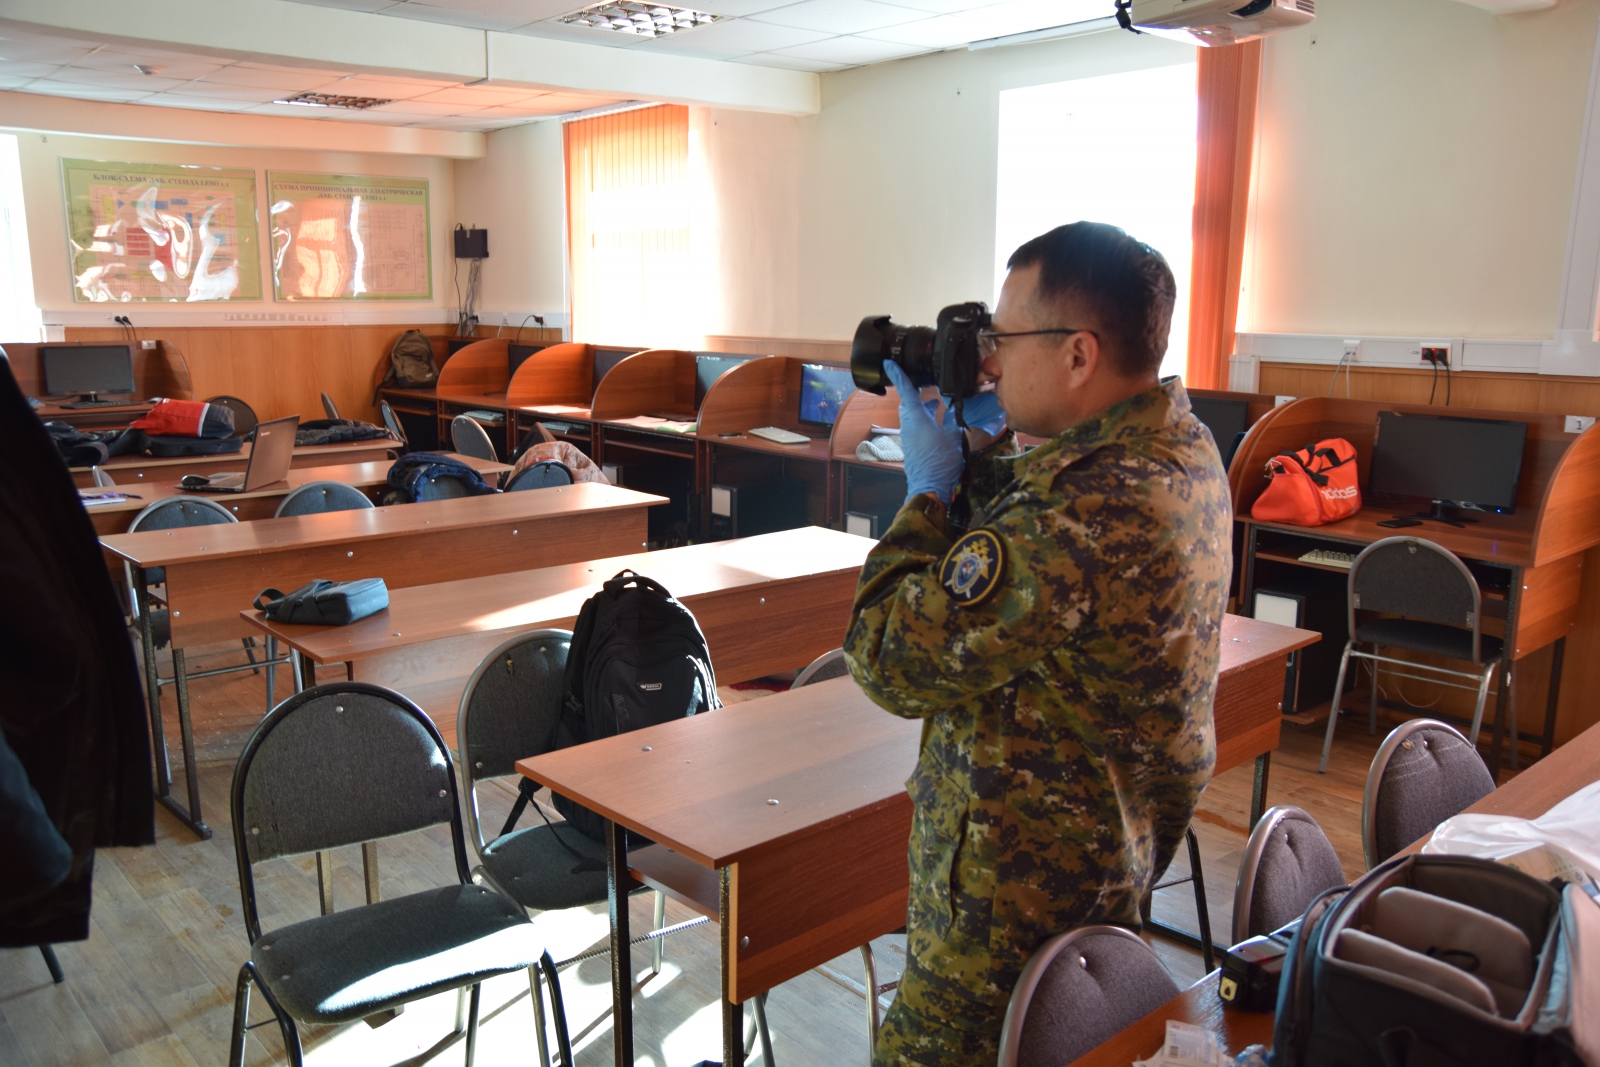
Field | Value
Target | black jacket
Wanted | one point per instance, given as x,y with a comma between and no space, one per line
71,704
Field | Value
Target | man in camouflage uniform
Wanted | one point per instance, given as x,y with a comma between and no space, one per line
1062,650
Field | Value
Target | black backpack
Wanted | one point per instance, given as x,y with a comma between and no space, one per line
411,364
638,658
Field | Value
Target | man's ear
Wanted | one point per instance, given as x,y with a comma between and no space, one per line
1082,357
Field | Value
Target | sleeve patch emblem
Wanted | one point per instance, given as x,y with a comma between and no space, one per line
972,569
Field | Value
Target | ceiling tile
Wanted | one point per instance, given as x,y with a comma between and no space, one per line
474,20
382,88
737,8
13,83
1022,16
351,5
725,40
130,79
839,16
9,69
778,59
422,109
479,95
569,102
212,91
557,31
941,31
518,12
83,92
851,51
283,78
39,49
294,111
184,69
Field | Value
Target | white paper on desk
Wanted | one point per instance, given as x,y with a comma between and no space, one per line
560,409
92,498
1570,830
1187,1045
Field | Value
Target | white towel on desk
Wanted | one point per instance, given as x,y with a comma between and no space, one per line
881,449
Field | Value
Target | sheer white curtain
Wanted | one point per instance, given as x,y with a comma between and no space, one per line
19,315
1119,149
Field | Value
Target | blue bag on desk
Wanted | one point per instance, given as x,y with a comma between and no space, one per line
411,476
325,603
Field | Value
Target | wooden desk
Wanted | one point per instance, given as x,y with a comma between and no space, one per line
159,370
1529,563
214,571
1198,1005
836,764
766,604
99,417
261,503
132,470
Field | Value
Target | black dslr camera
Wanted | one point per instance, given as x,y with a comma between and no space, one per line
945,355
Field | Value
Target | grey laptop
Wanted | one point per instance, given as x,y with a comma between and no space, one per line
270,458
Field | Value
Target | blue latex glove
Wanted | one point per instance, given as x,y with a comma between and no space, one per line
982,412
932,449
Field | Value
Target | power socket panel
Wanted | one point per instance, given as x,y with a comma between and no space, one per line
1437,353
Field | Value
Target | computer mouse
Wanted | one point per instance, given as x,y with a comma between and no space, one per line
194,481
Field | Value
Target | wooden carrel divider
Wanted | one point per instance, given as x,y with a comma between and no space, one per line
560,374
759,392
655,380
482,368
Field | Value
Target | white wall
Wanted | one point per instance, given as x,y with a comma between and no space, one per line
517,192
898,186
1416,169
43,198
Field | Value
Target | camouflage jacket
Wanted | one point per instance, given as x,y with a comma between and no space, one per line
1063,655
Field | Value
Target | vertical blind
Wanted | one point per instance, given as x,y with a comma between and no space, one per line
628,238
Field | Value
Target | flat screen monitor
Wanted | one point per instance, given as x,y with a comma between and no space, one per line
87,369
1226,419
517,355
1472,463
823,391
707,369
606,358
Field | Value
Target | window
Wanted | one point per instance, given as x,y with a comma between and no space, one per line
1118,149
19,317
628,227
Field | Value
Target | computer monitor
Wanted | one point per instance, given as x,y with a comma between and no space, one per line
1453,462
606,358
707,369
823,391
1226,419
517,355
87,369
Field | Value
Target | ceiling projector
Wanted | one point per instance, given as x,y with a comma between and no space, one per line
1216,22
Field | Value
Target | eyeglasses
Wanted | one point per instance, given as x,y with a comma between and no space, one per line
989,340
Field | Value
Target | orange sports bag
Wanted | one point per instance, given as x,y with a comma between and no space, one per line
186,418
1311,487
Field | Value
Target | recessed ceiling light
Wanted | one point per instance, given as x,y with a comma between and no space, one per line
146,68
638,19
355,103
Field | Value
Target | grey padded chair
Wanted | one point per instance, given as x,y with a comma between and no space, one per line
392,422
244,416
1078,989
444,487
828,665
102,480
314,498
545,474
1441,612
346,764
1425,772
470,439
328,407
1287,862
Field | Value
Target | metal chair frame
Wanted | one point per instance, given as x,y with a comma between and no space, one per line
1443,674
1380,765
328,407
392,422
248,973
1033,973
102,480
235,404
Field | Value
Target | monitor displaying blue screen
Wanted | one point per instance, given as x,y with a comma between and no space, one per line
823,391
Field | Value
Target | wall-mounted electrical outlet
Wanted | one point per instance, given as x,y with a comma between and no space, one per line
1352,352
1578,423
1433,353
149,346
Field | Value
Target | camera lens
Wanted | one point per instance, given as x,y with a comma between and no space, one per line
878,339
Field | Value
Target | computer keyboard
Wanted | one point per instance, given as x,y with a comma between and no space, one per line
782,437
1327,557
76,404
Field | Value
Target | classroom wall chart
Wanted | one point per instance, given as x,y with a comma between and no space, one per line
348,237
145,231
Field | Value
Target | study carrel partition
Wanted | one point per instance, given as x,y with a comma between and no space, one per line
1529,564
476,379
765,392
659,382
161,371
558,380
873,488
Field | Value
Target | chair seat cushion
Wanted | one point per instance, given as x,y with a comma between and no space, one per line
533,866
1432,637
351,964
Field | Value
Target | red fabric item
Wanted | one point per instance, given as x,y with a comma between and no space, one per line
1311,487
175,418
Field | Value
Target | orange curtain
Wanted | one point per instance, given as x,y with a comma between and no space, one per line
1230,79
628,223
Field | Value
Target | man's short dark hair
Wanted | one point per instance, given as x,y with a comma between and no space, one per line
1124,285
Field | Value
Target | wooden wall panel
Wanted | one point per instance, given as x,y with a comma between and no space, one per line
1497,392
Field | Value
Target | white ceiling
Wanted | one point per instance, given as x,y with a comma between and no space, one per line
809,35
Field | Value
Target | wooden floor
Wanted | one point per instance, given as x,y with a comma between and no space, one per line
154,982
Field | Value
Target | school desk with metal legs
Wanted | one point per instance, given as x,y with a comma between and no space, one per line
757,806
766,604
214,571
